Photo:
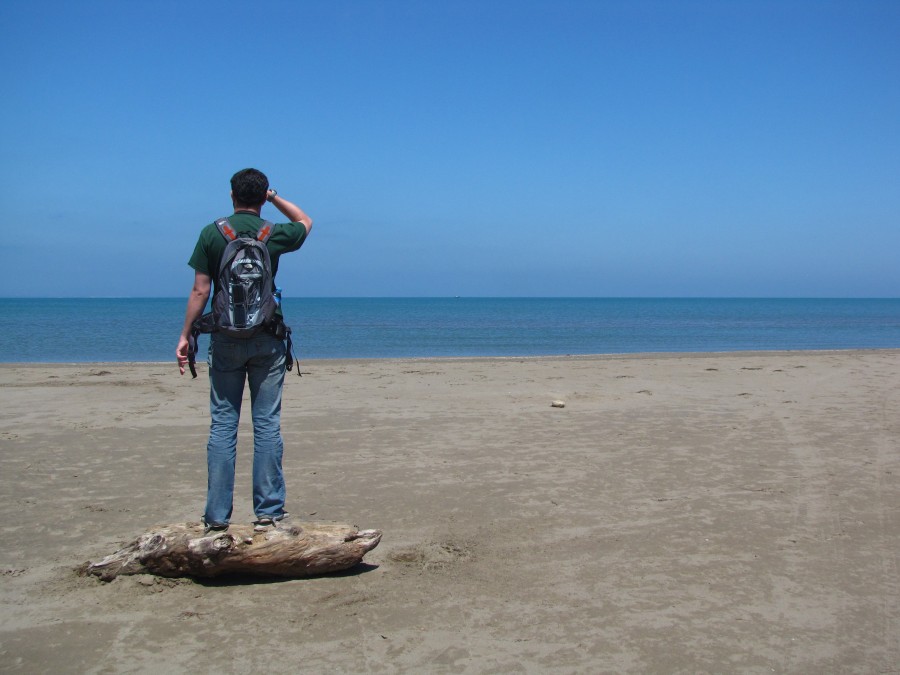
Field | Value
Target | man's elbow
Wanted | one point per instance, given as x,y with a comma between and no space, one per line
201,291
307,223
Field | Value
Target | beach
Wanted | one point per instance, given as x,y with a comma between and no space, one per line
690,513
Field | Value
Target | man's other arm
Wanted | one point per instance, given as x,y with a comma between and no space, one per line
290,210
195,306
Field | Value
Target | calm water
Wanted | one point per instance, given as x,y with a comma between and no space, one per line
71,330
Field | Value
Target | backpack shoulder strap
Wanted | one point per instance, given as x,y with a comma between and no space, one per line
226,229
265,231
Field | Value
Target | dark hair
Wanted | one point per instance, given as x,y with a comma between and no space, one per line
249,187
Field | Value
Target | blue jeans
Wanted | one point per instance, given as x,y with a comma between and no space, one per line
232,361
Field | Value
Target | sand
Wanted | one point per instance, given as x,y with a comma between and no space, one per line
682,513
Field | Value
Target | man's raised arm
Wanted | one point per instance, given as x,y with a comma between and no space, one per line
289,209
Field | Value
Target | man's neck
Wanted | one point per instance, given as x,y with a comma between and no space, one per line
243,208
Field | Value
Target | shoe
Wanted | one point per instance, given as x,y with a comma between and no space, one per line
213,527
262,523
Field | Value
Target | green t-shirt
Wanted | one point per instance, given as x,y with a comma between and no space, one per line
210,246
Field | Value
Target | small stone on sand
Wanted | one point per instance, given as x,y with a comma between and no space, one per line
558,404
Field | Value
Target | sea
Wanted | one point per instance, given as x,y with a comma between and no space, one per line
146,329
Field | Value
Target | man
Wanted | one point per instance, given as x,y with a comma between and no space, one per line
260,360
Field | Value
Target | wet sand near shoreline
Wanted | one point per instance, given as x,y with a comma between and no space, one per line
682,513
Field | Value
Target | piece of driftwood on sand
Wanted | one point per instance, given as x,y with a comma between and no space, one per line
185,550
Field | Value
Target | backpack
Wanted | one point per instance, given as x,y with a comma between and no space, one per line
244,302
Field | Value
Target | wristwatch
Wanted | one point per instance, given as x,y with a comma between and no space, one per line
269,197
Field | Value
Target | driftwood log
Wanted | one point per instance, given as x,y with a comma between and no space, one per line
184,550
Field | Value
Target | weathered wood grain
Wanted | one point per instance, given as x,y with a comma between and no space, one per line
184,550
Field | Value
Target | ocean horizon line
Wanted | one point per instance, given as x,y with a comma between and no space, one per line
476,297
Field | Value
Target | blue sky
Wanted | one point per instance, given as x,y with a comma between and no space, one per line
497,148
